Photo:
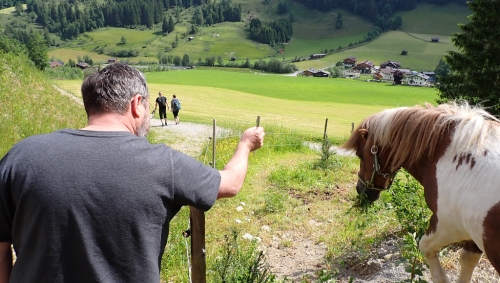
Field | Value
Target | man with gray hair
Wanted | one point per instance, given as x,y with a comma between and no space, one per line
94,205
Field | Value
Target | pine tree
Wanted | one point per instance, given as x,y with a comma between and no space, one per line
475,75
37,50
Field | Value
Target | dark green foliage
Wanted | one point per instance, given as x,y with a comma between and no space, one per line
274,32
282,8
64,73
185,60
339,22
168,25
10,45
442,69
68,21
177,60
475,68
37,50
274,66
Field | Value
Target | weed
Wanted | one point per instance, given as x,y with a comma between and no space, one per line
239,263
412,213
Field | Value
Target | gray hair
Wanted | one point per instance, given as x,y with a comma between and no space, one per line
111,89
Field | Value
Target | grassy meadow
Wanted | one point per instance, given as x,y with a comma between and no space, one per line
430,19
423,55
297,103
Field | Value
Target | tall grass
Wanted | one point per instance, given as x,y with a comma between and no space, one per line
29,105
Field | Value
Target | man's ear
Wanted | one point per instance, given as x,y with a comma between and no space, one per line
134,106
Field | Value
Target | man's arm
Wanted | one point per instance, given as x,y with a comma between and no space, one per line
233,174
5,261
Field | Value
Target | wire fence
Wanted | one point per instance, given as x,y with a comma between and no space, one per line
280,139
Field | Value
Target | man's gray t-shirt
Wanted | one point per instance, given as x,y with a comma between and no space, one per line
89,206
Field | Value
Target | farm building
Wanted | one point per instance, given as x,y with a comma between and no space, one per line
350,61
82,65
351,74
385,74
418,80
317,56
391,64
364,67
311,72
406,72
55,64
112,60
431,75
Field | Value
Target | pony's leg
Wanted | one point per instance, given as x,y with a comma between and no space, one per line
469,257
430,245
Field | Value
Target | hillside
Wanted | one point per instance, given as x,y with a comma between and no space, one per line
30,105
314,31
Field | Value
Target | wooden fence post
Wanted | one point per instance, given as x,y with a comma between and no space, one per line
197,220
326,126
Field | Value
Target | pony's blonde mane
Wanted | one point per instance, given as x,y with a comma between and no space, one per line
417,131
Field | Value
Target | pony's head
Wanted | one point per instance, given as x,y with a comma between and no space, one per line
374,175
402,137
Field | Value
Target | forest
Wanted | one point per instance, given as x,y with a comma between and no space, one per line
376,11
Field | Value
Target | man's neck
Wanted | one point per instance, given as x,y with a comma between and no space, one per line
108,122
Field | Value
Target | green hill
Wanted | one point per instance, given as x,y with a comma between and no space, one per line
30,105
314,31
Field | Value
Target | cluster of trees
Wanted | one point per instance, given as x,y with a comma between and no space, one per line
274,32
219,12
282,8
377,11
176,60
35,48
9,3
68,19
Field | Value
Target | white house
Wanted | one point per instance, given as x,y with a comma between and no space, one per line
417,79
350,74
385,74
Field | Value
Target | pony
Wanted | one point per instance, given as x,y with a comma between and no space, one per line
453,150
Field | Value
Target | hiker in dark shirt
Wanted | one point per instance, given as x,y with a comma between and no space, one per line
163,103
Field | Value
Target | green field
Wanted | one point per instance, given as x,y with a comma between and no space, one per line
422,54
434,19
296,103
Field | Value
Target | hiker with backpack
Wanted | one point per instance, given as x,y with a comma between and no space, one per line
175,105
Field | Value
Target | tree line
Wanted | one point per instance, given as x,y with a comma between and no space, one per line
277,31
68,19
376,11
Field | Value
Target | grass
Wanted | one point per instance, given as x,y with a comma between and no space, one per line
296,103
423,55
434,19
30,105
